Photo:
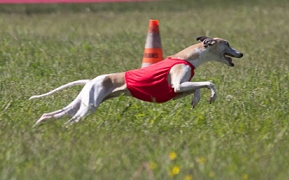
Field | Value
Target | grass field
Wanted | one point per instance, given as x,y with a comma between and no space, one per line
243,135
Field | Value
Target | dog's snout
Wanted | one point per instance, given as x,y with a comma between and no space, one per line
241,55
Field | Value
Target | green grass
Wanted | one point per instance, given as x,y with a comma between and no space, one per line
242,137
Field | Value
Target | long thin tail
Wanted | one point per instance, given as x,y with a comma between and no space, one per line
74,83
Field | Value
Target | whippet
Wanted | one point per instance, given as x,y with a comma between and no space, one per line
160,82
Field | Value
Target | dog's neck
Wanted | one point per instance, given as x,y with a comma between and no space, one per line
195,54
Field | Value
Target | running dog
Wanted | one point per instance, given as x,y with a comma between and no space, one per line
160,82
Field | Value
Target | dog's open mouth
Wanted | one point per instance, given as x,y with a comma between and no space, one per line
228,57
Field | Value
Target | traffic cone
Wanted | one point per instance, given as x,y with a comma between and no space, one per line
153,52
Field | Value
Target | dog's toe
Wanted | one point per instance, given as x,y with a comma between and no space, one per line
42,118
213,98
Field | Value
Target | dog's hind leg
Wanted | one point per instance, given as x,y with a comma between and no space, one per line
69,110
83,110
92,95
97,91
95,99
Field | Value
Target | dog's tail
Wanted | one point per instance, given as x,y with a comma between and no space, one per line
74,83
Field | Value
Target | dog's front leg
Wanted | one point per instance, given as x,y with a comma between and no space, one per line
196,86
196,99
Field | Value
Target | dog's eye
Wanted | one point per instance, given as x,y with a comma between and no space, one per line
226,43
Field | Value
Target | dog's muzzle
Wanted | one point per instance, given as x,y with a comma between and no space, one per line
232,53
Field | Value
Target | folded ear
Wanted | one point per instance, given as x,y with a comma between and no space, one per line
206,41
202,38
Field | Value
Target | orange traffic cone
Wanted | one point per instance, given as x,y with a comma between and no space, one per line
153,52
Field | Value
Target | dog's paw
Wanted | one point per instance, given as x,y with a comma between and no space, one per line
213,93
213,97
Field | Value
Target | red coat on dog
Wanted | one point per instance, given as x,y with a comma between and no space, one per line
151,83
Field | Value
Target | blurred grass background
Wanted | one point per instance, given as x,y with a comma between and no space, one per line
243,135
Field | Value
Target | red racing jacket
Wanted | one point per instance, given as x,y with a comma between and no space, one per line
151,83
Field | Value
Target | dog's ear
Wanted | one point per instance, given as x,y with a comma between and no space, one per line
206,41
202,38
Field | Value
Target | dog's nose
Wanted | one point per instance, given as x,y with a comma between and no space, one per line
241,55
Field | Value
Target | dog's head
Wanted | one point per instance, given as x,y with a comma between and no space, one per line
220,49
